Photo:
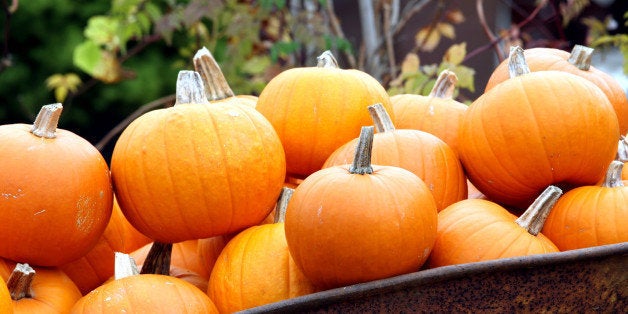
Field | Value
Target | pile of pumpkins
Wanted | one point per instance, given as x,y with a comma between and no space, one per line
230,202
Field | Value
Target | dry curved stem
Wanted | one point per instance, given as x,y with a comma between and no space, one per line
216,86
381,118
158,259
20,280
622,149
47,119
190,88
362,158
165,101
581,57
327,60
534,217
445,85
282,204
517,65
125,266
613,175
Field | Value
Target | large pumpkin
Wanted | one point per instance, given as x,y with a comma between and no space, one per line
437,113
534,130
255,268
130,292
476,230
360,222
591,215
422,153
317,109
55,192
578,62
197,169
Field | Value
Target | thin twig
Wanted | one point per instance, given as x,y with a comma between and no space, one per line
479,6
124,123
335,25
390,49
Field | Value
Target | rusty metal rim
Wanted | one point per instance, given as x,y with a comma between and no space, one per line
430,276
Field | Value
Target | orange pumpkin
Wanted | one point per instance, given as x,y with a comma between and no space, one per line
95,267
39,290
208,250
197,169
6,304
578,62
476,230
420,152
130,292
315,110
591,215
360,222
438,113
255,268
55,189
519,137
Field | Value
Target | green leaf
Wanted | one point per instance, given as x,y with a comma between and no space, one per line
87,56
256,65
102,30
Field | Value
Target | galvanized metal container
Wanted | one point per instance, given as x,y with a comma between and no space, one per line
578,281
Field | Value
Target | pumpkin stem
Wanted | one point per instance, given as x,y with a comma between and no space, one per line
45,124
124,266
282,204
216,86
326,60
190,88
517,64
613,175
381,118
158,259
581,57
445,85
534,217
362,158
622,149
20,280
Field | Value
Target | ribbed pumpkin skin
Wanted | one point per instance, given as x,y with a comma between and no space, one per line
421,153
437,116
316,110
344,228
6,304
197,170
55,196
545,59
95,267
589,216
52,291
255,268
146,293
476,230
535,130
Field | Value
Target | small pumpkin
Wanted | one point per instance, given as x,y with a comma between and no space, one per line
130,292
591,215
39,290
197,169
421,153
56,192
519,137
255,268
315,110
578,62
437,113
95,267
476,230
360,222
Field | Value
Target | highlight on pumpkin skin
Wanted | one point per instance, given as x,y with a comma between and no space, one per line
476,230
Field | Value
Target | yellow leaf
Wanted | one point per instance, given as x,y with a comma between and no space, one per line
456,53
410,63
54,81
108,69
61,93
446,30
455,16
427,39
